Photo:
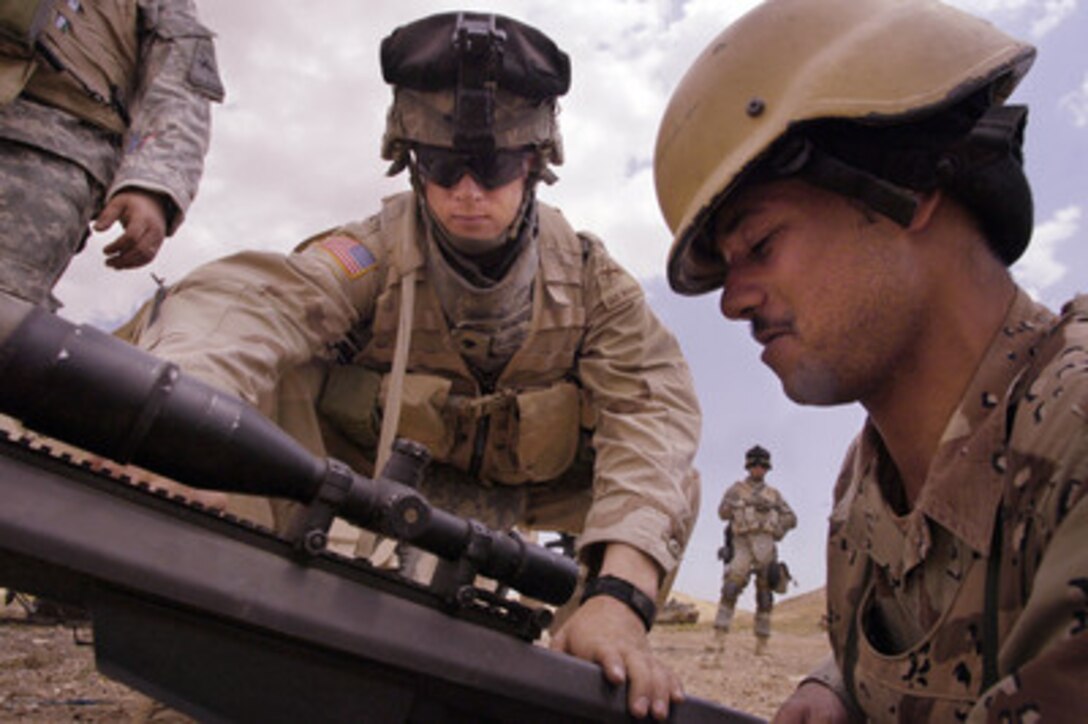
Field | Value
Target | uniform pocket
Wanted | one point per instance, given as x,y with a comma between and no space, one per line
424,413
198,45
539,439
350,401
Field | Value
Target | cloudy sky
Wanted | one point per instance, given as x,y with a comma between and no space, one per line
295,149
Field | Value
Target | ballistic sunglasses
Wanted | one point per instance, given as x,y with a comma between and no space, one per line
492,169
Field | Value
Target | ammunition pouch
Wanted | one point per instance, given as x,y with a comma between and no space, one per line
778,577
532,436
21,23
537,436
425,413
350,401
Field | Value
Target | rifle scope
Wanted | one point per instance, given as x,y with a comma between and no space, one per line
90,389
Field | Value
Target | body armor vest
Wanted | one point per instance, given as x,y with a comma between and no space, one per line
756,509
85,62
487,324
523,428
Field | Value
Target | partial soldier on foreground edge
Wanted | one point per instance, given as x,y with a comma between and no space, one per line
105,117
850,174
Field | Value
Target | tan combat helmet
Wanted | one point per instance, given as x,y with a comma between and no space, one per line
752,104
473,83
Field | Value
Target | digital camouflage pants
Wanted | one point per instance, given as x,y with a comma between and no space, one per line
46,204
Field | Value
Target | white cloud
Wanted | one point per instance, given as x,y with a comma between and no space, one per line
1054,13
993,7
1043,16
1040,268
1076,103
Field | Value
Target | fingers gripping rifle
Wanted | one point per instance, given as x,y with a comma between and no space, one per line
87,388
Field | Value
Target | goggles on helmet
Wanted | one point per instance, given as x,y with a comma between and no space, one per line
490,169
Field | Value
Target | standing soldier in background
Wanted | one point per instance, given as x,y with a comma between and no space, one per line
471,317
756,517
851,175
104,116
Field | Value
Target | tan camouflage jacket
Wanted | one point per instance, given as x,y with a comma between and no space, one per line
168,132
750,507
243,322
974,605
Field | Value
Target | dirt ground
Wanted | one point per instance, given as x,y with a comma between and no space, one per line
727,669
47,673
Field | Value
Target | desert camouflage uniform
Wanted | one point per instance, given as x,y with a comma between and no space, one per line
593,364
986,579
59,166
759,517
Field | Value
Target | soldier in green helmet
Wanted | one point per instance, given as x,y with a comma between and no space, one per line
471,317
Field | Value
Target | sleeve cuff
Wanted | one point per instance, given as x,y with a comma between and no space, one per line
647,529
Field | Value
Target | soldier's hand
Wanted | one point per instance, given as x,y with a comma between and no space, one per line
143,217
607,632
812,703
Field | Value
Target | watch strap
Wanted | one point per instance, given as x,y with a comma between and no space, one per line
623,591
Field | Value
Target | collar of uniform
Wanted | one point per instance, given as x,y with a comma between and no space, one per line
966,477
894,542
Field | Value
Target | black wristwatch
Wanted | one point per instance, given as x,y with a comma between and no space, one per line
624,591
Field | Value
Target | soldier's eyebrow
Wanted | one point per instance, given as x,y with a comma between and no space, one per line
725,223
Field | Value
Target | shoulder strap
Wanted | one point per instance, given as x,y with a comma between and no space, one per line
990,628
989,617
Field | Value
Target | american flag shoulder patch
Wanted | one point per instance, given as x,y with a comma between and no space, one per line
354,258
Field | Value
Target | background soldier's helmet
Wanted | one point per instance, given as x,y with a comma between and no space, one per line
757,456
872,99
472,83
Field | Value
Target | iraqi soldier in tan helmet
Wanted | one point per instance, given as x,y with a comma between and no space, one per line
471,317
850,174
104,117
757,517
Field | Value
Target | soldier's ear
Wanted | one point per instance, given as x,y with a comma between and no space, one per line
927,206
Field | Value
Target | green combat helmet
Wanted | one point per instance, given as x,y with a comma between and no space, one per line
757,456
476,84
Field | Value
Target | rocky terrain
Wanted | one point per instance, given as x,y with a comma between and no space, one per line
47,673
